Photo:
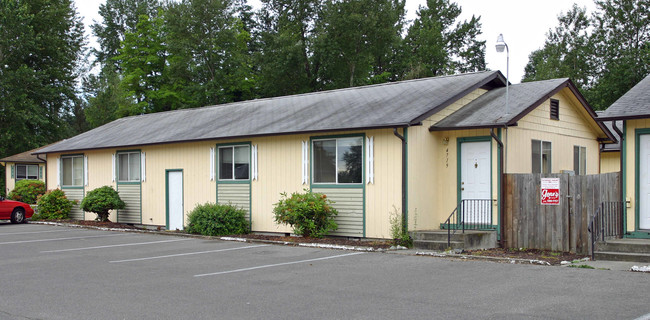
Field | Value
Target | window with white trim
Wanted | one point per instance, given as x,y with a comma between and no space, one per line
337,160
234,162
541,156
26,171
128,166
580,160
72,171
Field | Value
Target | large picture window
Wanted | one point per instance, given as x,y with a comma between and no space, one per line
234,163
26,171
579,160
541,156
72,171
128,164
338,160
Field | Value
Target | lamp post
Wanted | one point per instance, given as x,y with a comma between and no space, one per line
500,46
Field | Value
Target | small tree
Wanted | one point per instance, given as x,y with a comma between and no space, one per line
309,214
53,205
101,201
27,191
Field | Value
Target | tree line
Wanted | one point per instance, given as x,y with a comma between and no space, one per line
159,55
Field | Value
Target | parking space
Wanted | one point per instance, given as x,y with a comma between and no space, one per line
53,272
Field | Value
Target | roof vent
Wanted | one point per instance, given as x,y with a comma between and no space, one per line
555,109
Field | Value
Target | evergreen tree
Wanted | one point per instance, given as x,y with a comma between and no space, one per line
435,46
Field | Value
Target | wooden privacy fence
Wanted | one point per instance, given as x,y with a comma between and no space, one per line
561,227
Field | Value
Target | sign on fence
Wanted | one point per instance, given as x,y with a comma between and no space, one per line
550,191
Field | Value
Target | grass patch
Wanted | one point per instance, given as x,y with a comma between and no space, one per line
581,266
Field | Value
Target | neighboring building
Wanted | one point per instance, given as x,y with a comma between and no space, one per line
633,109
345,143
610,153
23,166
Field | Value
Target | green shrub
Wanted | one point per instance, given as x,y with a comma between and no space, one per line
101,201
309,214
53,205
212,219
27,191
397,230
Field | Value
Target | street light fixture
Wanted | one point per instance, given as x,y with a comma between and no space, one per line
500,46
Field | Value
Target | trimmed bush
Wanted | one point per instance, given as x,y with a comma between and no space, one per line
53,205
212,219
309,214
101,201
27,191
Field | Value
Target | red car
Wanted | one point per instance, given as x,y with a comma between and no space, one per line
16,211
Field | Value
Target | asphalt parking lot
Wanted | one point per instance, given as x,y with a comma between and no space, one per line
54,272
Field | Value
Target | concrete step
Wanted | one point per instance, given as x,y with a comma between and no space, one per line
622,256
437,245
625,246
437,239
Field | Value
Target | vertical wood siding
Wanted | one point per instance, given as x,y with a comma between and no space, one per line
610,162
78,195
560,227
630,168
130,194
349,204
235,194
574,128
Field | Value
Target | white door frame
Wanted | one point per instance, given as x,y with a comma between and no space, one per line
171,216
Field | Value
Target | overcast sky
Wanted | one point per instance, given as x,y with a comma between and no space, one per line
523,23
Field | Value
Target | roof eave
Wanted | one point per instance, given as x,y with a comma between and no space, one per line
495,76
386,126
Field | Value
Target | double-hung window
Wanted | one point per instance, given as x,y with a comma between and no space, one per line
234,162
541,156
128,166
72,171
580,160
26,171
338,160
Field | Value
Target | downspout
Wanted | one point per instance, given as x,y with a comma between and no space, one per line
502,206
404,218
38,156
623,199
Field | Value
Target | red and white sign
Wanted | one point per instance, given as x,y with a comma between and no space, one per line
551,191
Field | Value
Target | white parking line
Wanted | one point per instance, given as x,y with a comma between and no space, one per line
187,254
644,317
114,245
59,239
277,264
15,233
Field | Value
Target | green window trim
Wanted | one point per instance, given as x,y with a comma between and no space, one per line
40,172
129,174
26,172
13,171
337,184
233,147
73,176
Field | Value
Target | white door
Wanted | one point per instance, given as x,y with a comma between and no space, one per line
475,182
644,182
175,200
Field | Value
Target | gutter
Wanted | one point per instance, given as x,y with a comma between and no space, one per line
620,134
404,172
502,206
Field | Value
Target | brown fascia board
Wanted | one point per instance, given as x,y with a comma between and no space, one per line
497,76
487,126
396,125
566,84
632,117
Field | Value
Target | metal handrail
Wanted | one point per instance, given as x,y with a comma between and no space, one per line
448,224
477,209
606,222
